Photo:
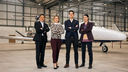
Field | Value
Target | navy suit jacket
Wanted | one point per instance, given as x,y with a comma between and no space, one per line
38,36
73,32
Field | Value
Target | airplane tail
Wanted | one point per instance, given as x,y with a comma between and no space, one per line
20,33
114,27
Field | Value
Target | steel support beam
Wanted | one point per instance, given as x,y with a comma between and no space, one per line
60,11
23,14
78,13
54,3
104,19
115,14
62,14
15,14
92,11
125,17
49,16
6,13
44,12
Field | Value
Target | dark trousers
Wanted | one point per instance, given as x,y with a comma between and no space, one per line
40,53
56,45
68,47
90,53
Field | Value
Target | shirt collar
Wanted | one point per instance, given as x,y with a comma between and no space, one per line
56,23
41,22
71,19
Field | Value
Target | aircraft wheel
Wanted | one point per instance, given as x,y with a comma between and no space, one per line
105,49
22,42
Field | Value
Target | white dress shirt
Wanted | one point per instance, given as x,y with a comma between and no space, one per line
71,20
42,23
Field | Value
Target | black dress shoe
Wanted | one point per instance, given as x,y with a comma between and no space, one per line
43,65
39,67
77,66
90,67
82,65
66,66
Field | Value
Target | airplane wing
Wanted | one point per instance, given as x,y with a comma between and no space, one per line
17,38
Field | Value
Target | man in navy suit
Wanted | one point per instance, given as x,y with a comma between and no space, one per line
40,39
71,27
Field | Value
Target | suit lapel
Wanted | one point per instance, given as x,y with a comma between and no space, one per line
40,24
88,24
69,21
73,21
44,25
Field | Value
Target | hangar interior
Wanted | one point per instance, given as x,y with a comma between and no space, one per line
20,14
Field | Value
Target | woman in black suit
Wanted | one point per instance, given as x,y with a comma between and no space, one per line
86,40
40,39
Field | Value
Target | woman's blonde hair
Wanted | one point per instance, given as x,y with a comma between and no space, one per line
56,16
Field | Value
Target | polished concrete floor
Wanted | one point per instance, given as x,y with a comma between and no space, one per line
21,58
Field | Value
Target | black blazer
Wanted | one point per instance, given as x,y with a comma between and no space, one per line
74,28
87,31
38,36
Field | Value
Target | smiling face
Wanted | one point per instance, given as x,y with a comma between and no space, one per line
41,18
56,19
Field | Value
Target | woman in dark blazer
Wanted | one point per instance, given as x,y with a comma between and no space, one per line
86,40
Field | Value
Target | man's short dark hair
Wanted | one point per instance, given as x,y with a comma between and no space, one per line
71,11
41,15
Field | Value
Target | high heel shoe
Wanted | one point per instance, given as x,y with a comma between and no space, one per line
55,66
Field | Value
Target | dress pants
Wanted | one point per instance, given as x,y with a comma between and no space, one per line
40,53
56,45
90,53
68,47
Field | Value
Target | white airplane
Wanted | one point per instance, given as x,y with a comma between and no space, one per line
103,35
28,37
100,34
